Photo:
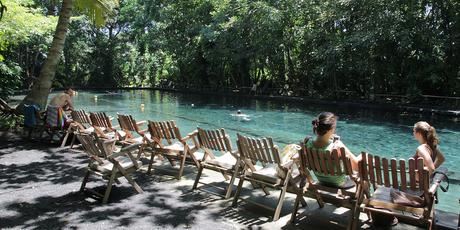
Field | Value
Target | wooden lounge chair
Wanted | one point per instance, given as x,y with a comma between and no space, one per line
102,124
6,110
263,151
331,164
385,180
166,140
81,122
129,125
107,163
229,163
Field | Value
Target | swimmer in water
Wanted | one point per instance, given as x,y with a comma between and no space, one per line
241,116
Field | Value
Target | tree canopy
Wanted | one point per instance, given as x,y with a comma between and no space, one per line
301,47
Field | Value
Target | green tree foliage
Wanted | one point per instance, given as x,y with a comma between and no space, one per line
322,49
25,34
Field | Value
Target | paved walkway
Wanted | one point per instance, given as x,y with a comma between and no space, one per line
39,190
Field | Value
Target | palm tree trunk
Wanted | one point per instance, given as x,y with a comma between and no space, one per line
42,85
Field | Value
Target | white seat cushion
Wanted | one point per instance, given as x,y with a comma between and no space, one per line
177,147
227,161
266,174
107,167
198,155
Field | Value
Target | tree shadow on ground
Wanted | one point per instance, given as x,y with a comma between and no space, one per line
54,168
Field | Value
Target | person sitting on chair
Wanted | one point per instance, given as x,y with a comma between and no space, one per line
324,127
64,100
428,149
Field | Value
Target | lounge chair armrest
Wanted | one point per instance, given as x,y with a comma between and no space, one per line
109,141
141,122
438,176
124,150
235,153
189,136
143,131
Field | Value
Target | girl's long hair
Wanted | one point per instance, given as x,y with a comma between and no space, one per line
428,132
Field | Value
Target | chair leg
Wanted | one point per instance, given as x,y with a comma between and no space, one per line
85,179
264,188
182,165
151,162
230,184
73,141
197,179
69,130
141,151
133,183
109,186
295,208
319,200
356,210
238,191
279,206
303,202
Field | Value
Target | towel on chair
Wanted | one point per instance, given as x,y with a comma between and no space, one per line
55,117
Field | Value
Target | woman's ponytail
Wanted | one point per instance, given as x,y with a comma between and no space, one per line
432,138
429,134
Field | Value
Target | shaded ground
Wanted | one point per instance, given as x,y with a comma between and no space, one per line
39,190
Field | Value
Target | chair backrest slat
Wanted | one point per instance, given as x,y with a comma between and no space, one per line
394,174
128,123
81,117
378,169
222,140
330,165
322,163
260,150
402,173
421,178
346,162
413,183
164,130
100,120
266,145
325,162
92,146
219,140
274,151
314,156
370,163
386,176
336,160
216,140
399,178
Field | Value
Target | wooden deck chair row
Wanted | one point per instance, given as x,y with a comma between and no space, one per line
107,163
228,163
103,126
166,140
399,188
263,166
330,164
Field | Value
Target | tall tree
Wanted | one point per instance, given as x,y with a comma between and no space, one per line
97,11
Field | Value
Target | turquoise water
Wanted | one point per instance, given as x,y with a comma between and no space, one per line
383,133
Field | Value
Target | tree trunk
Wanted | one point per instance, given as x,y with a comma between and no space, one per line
42,85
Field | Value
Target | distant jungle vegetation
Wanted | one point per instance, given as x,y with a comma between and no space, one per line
302,47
